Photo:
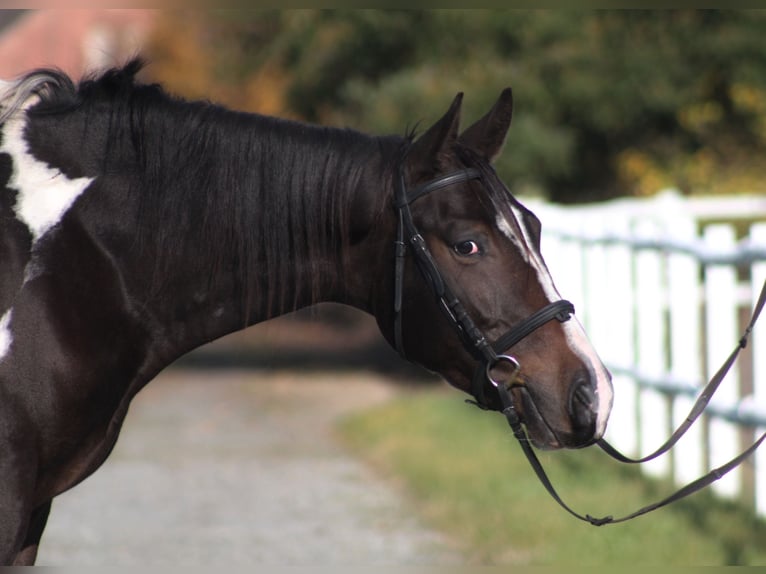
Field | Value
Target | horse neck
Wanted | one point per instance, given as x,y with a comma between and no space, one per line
256,218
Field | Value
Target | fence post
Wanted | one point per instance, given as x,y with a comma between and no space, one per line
618,348
564,258
653,406
596,295
721,322
758,342
685,341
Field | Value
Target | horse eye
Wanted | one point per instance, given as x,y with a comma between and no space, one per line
467,248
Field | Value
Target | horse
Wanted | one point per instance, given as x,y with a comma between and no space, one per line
137,226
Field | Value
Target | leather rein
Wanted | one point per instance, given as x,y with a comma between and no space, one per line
493,356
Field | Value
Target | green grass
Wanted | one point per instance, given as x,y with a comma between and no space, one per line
467,477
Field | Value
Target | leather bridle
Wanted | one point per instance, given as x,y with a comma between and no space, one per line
491,355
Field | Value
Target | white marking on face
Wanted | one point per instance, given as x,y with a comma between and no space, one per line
504,227
5,334
44,194
574,332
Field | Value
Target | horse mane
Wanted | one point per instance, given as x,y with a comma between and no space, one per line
287,201
47,84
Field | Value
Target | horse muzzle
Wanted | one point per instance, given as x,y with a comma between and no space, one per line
576,424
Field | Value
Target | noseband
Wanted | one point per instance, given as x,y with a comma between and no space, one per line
490,355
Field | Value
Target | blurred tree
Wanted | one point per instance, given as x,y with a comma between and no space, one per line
608,103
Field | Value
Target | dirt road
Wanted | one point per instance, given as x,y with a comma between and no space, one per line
239,467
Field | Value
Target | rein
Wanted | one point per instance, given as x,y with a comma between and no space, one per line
697,409
491,355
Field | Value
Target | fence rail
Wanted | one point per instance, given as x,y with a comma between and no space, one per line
664,287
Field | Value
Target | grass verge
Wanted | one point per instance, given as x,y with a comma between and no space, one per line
468,478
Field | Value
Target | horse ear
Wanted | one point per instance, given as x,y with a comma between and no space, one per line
487,135
430,150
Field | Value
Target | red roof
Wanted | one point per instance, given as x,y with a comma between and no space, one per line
76,41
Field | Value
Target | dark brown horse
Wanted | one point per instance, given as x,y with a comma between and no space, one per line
135,226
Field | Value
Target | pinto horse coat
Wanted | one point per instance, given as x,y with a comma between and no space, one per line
135,226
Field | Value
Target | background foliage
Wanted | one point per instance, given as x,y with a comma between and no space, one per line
608,103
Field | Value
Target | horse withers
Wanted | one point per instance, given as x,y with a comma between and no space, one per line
137,226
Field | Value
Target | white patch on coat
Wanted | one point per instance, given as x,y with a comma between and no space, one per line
44,194
573,330
5,334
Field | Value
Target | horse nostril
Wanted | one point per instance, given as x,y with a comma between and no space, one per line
583,409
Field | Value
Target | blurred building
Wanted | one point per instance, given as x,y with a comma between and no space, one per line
74,40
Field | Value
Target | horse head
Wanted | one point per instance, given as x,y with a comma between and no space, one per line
481,247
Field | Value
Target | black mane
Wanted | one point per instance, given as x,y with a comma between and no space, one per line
191,157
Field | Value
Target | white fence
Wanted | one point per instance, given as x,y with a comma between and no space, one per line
664,287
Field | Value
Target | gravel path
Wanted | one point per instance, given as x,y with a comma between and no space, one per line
234,468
